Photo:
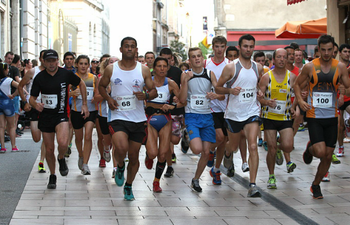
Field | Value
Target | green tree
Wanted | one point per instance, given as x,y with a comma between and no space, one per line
178,47
206,51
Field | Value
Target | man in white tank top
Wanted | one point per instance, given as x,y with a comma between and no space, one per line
196,86
33,114
217,64
126,116
243,109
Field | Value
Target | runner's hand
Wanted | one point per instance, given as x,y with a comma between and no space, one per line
211,95
39,107
140,95
112,104
304,106
27,107
85,111
235,91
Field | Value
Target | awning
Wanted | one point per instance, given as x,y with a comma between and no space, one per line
290,2
303,29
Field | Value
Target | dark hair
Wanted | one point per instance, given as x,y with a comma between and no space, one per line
160,59
68,54
128,39
219,39
184,64
342,46
9,53
325,39
316,49
104,56
247,37
165,51
336,45
304,54
232,48
294,45
288,47
3,67
42,52
16,58
150,53
25,62
258,54
140,56
34,62
82,57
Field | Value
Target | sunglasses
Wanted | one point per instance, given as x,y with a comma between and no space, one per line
94,61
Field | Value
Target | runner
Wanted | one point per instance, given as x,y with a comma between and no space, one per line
53,84
231,53
323,76
83,126
159,119
196,86
32,113
277,112
243,109
126,116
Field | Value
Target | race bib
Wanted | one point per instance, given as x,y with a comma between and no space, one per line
322,99
280,107
162,98
50,101
247,95
89,94
199,102
126,103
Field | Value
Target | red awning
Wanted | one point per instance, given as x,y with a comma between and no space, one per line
290,2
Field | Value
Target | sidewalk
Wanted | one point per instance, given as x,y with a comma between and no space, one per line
96,199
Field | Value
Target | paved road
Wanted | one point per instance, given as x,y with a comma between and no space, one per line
15,168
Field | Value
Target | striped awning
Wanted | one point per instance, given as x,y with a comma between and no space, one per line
290,2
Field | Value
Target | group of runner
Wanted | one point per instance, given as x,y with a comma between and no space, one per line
222,101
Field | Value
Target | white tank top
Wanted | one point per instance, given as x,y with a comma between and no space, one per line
217,105
241,107
29,85
123,84
163,93
198,86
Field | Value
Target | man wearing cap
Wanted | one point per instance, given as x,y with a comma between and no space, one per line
53,84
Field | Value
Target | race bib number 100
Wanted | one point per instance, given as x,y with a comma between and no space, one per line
199,102
50,101
126,103
322,99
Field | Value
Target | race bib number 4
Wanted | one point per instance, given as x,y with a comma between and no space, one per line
50,101
126,103
199,102
322,100
247,95
280,107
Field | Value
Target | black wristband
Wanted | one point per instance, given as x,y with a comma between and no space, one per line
147,95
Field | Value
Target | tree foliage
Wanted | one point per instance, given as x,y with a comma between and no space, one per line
178,47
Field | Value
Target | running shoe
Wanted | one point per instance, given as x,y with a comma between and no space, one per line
126,159
63,168
335,160
253,191
173,158
102,163
80,163
156,187
316,192
169,172
15,149
216,176
347,127
290,167
210,162
107,155
245,167
279,157
85,170
195,185
3,150
340,152
260,142
114,172
327,177
185,143
148,162
119,176
41,167
128,195
228,161
307,157
271,183
52,182
301,127
69,151
265,145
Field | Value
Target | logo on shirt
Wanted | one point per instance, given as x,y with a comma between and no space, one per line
118,81
136,83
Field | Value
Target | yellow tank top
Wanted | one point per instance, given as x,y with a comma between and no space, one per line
282,93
